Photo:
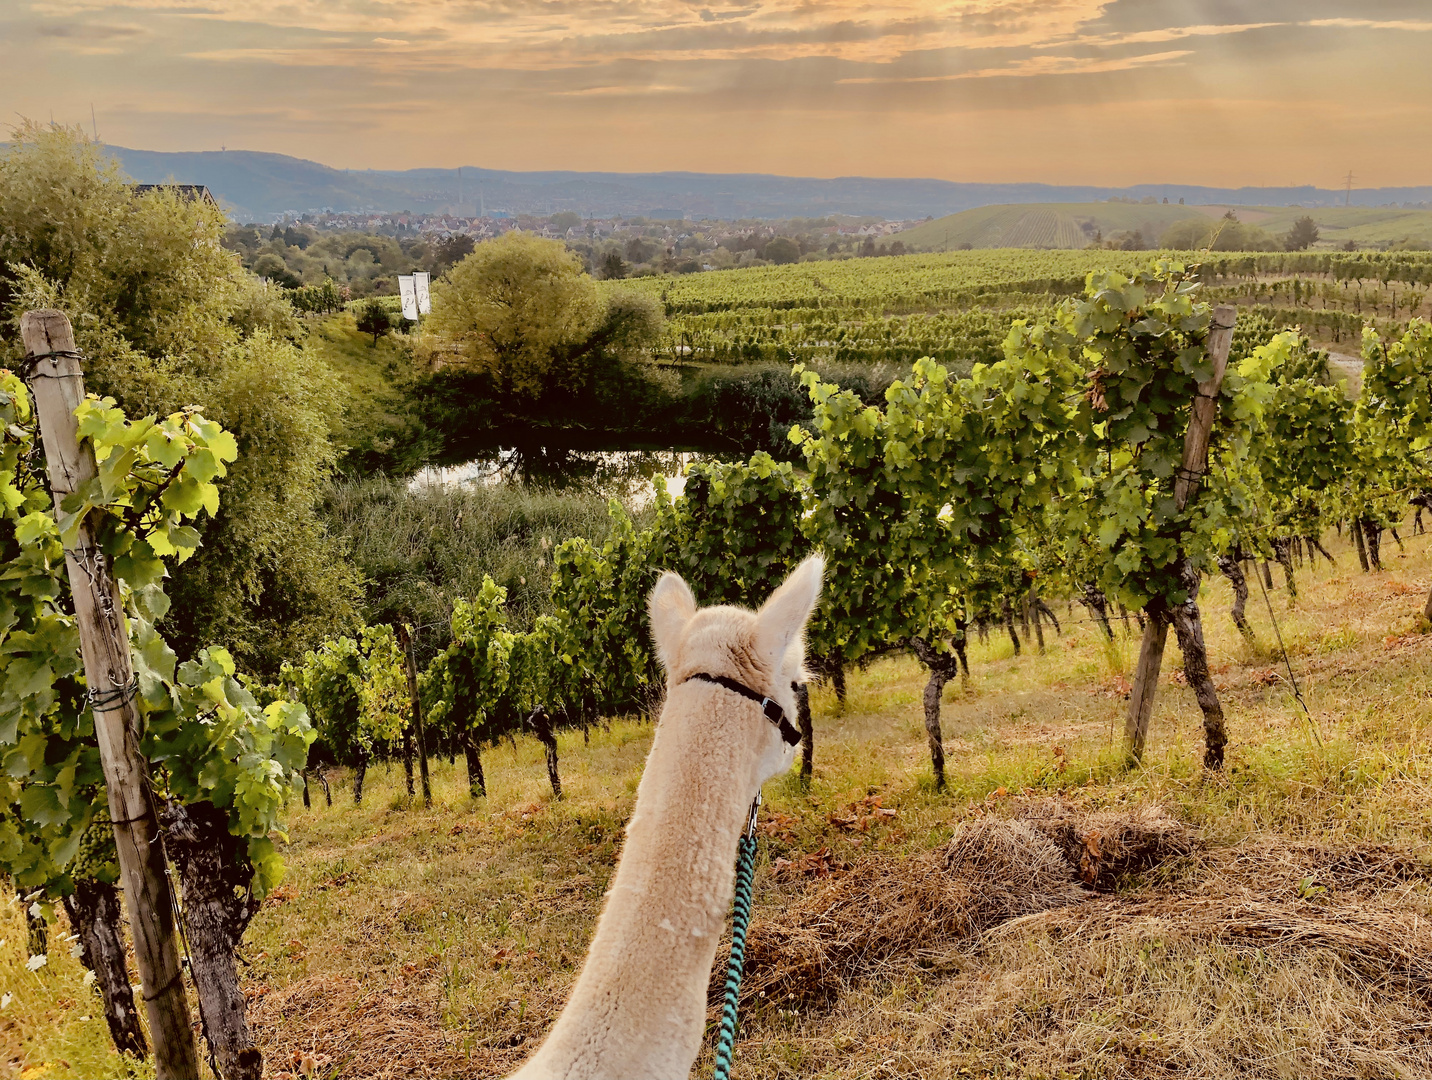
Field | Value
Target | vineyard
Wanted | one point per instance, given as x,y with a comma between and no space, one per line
1105,443
957,306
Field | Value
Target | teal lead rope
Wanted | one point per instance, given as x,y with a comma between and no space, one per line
745,872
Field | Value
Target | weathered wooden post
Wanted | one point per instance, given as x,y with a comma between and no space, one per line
1194,465
405,639
57,383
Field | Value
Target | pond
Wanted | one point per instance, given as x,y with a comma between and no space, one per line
628,475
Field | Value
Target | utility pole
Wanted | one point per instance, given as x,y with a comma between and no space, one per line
94,124
1347,199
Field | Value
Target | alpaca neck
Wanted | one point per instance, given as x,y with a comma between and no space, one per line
638,1008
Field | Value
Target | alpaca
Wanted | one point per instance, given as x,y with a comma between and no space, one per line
639,1005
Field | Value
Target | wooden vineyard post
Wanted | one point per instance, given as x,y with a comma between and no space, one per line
1146,678
1191,471
405,639
57,384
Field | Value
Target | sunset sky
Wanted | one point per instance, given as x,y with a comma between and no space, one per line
1224,92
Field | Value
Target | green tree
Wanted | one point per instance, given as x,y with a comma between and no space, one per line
781,250
613,266
1303,234
449,251
375,319
166,318
514,308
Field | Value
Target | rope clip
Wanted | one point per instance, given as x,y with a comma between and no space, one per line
755,809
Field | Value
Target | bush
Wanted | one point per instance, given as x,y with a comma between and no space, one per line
374,318
420,547
1225,234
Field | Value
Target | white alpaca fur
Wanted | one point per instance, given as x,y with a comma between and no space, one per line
639,1005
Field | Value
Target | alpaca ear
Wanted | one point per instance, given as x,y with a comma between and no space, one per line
783,617
669,609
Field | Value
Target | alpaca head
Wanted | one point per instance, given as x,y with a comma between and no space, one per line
764,650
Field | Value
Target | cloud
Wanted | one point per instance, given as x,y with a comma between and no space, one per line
624,91
1151,37
87,31
1422,25
1039,65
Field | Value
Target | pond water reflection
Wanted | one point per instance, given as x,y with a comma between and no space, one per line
628,475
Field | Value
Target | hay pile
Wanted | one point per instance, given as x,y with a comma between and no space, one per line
1108,846
1109,943
890,910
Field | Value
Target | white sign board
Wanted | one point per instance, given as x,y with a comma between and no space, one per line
420,282
408,289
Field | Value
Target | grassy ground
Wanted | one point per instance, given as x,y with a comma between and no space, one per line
374,427
442,942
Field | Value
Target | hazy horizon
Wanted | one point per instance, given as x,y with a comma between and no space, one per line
1063,92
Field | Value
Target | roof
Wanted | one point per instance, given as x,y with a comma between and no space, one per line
193,192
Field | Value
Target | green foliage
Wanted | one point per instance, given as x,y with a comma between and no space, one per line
166,317
1303,234
1393,424
204,735
1226,234
330,684
516,308
374,318
1138,342
315,268
600,596
856,508
209,741
383,684
1305,452
323,299
1397,382
472,675
781,251
420,547
737,529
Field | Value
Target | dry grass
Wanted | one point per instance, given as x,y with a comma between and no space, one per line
1052,915
886,912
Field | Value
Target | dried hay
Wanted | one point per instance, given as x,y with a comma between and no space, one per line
1009,873
1378,944
888,909
1108,846
1275,868
368,1032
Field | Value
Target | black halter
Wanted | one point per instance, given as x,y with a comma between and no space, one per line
770,709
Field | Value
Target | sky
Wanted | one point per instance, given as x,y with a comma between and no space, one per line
1109,92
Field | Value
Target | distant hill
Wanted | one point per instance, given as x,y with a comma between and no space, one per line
261,187
1075,225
